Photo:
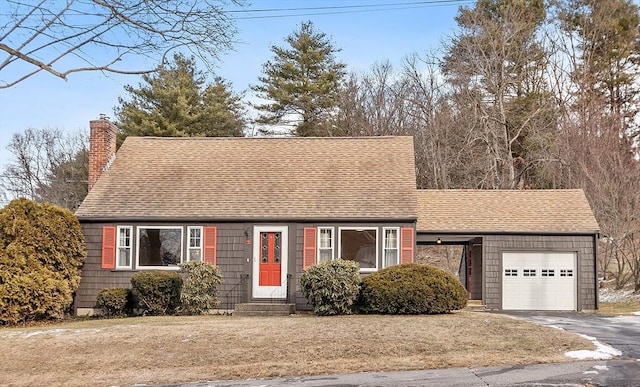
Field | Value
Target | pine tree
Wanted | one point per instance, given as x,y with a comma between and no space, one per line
175,102
607,62
495,65
302,83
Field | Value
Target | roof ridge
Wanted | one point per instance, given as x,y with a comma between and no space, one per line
196,138
499,190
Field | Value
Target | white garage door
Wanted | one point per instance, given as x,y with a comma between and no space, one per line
538,281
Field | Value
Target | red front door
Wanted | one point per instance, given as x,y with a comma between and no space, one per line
270,258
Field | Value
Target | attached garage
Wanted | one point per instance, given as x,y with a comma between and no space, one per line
539,281
522,250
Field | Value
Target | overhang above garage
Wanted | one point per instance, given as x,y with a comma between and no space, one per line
468,212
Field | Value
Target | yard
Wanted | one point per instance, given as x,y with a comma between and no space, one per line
186,349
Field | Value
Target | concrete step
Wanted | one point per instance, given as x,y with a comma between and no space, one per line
475,306
264,309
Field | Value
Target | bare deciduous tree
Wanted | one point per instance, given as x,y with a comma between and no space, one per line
596,74
47,166
110,36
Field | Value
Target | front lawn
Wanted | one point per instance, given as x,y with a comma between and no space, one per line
186,349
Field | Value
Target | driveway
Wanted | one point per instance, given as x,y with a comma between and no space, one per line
621,333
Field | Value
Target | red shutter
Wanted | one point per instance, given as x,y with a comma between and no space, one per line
108,247
309,249
210,240
406,245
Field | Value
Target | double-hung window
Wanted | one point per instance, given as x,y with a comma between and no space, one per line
391,251
123,250
195,244
325,244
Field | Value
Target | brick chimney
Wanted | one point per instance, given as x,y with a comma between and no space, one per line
102,147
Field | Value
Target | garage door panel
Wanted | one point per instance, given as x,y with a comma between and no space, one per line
538,281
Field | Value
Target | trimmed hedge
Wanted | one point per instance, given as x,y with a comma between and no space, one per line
411,289
114,302
157,292
331,287
200,289
41,254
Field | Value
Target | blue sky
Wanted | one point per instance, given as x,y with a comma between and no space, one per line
381,33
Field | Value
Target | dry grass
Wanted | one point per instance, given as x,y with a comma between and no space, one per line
183,349
620,308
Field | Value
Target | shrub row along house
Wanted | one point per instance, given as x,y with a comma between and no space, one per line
265,209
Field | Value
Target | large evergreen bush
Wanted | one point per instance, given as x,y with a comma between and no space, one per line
200,288
331,287
41,255
157,292
411,289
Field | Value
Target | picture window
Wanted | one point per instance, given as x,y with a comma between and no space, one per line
360,245
159,246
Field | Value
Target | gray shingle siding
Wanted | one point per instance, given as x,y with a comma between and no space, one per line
232,254
234,258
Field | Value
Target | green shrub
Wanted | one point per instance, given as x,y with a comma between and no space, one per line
331,287
156,292
200,289
41,255
411,289
114,302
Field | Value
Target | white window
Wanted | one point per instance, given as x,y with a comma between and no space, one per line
510,272
325,244
548,272
529,272
159,247
123,251
360,245
194,251
390,248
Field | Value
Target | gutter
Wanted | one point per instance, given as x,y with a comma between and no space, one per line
112,219
502,232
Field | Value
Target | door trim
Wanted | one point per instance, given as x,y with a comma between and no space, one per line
271,292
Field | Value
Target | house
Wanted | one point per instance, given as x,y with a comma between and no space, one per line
262,209
265,209
524,250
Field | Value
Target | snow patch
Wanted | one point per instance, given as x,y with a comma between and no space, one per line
590,372
602,352
50,332
612,295
636,313
601,368
53,332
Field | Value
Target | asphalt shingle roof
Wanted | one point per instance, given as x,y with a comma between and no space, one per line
257,178
485,211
